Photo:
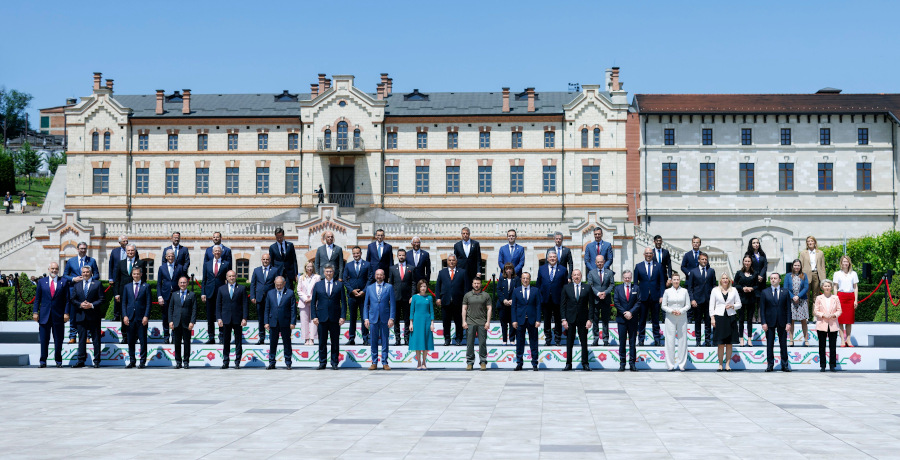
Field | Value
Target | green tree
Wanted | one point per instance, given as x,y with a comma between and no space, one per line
54,160
7,172
882,251
27,162
12,111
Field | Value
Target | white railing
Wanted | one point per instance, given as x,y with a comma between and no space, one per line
477,228
189,228
17,242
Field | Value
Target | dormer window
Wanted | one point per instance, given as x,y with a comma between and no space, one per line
174,97
285,97
415,96
523,96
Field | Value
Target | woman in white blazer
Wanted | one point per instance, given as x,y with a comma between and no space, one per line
724,302
676,304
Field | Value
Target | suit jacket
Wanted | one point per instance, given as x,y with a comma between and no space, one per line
403,289
451,291
503,292
379,263
284,313
136,308
820,263
379,310
422,270
629,304
605,285
183,314
232,309
336,259
183,257
123,276
260,285
761,267
788,284
699,287
73,271
526,310
329,307
650,285
575,308
590,255
166,284
551,290
565,258
827,306
772,312
516,257
94,295
288,262
471,263
51,308
665,261
114,256
226,255
212,282
357,279
689,262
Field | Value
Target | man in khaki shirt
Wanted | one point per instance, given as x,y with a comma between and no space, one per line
476,312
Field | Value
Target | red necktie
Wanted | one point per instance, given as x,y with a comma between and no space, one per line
52,288
401,272
216,268
627,294
451,275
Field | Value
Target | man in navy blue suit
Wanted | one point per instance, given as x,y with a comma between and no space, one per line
468,256
512,253
182,255
281,319
595,248
628,312
226,251
51,298
691,259
450,290
379,254
136,302
261,282
232,312
283,256
379,310
329,307
213,278
550,281
526,313
775,317
166,283
84,311
123,277
699,285
73,273
357,274
419,260
651,280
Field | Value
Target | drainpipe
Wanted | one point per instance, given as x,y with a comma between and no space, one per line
129,159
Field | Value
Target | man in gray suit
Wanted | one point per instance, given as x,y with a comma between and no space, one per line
563,254
330,253
602,281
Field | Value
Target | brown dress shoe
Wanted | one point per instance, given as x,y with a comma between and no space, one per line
386,367
71,340
468,367
373,367
484,366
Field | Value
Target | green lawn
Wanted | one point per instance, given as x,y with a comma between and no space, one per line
37,191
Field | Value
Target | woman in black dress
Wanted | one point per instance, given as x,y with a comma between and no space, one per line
504,290
746,283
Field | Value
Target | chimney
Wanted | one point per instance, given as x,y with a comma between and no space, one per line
321,84
380,91
389,87
97,77
313,90
530,92
506,99
384,79
109,84
614,85
160,97
186,101
327,84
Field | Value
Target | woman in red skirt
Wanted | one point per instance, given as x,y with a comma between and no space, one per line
847,283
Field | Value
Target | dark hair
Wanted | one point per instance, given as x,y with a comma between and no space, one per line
176,233
657,237
279,230
379,230
750,247
801,274
509,266
751,264
356,247
511,230
419,285
401,250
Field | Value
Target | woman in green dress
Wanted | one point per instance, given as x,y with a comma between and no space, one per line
421,315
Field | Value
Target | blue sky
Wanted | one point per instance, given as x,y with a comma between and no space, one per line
52,47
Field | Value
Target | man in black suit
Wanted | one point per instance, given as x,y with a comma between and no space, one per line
329,307
84,311
136,302
182,316
182,255
691,259
401,278
214,271
775,316
419,261
468,256
628,312
526,314
123,278
575,307
115,256
563,254
663,258
261,282
357,274
232,311
451,288
700,283
283,256
167,282
651,284
379,254
281,319
550,281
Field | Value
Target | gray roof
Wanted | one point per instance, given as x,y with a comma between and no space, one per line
215,105
476,104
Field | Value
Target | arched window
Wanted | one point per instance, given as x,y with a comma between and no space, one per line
584,138
106,138
342,135
327,139
596,138
95,142
356,139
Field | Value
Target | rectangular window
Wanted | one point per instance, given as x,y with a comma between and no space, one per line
391,179
173,142
785,136
549,179
862,136
863,177
707,136
549,139
421,140
596,138
590,179
422,179
262,141
826,176
143,141
202,181
517,140
824,136
452,179
392,141
669,136
746,136
171,181
142,181
786,177
242,269
232,186
485,179
517,179
45,122
484,140
747,177
106,140
262,181
291,180
101,180
202,142
670,177
232,142
707,176
452,141
293,141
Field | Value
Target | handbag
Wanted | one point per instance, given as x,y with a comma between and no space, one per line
5,204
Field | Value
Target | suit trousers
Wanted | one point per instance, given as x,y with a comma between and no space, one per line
211,318
832,348
261,314
165,319
285,333
402,314
329,329
84,328
550,311
355,305
137,332
238,332
181,340
532,331
676,334
651,308
452,312
628,331
782,343
479,331
379,336
746,314
117,316
579,327
55,329
506,328
701,314
600,311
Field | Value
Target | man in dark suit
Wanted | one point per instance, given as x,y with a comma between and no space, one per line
84,311
182,255
232,311
379,254
226,251
51,298
563,254
468,257
420,261
526,313
214,272
651,283
123,277
281,319
136,300
775,317
356,277
691,259
379,310
451,288
595,248
550,281
511,253
628,312
700,283
401,278
329,307
73,273
574,311
283,256
182,306
329,253
167,282
601,281
663,258
116,255
261,282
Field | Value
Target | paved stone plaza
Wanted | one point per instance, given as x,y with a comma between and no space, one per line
500,414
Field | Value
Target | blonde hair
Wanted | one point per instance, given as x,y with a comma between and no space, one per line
728,277
849,263
810,237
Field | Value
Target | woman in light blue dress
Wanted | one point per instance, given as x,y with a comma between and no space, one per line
421,315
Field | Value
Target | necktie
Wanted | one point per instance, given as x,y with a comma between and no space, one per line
402,270
231,291
552,271
87,285
282,249
600,269
451,274
216,268
775,290
170,271
52,287
526,294
416,254
378,293
696,256
136,287
265,273
130,265
176,252
649,270
558,253
182,296
329,250
577,291
659,255
627,292
379,250
598,249
357,267
279,298
80,262
329,289
466,245
703,273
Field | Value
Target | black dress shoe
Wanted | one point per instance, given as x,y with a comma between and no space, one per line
446,343
237,365
366,342
58,364
397,343
177,365
833,369
211,342
568,367
166,340
586,367
43,365
769,369
130,365
548,343
822,369
622,368
261,342
334,366
321,366
656,343
351,342
288,365
518,367
606,343
224,366
96,364
78,365
142,365
632,368
535,368
595,343
270,366
187,366
785,369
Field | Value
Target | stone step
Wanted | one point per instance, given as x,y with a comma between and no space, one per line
13,360
892,341
19,337
889,365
